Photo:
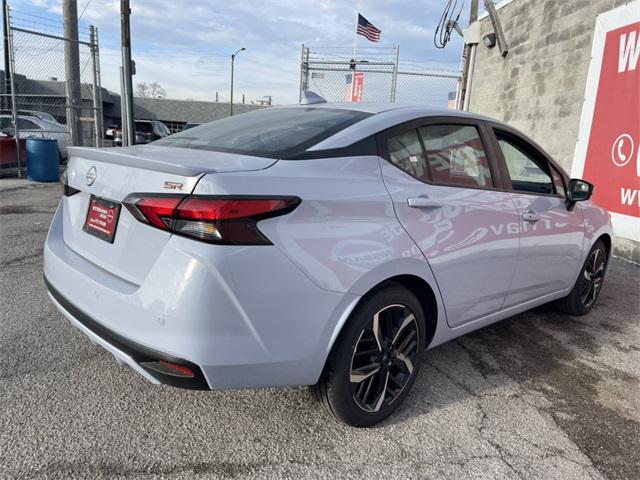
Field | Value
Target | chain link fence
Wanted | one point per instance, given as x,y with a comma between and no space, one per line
36,101
374,75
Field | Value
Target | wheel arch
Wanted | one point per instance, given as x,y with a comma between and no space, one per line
425,295
421,288
608,243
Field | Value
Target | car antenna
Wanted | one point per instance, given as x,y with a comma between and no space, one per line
309,97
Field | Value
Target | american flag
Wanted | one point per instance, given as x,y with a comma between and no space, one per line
366,29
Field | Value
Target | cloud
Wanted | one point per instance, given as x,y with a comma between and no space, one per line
186,45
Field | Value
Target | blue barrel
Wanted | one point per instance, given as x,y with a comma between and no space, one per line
43,161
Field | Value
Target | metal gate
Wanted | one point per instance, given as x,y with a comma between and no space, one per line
374,74
35,98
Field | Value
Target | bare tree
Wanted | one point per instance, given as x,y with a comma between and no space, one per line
150,90
156,90
142,89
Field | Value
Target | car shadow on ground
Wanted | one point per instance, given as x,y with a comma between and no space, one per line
571,369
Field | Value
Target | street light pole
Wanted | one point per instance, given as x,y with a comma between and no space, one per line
233,58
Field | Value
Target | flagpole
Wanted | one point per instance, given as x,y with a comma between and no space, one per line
355,38
355,60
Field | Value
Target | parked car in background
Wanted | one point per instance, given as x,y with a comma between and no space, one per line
33,113
326,245
146,131
30,126
109,133
189,125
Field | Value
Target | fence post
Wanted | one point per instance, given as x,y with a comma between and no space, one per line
303,74
394,78
97,90
14,100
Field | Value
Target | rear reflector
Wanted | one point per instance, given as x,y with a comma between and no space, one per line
168,368
222,220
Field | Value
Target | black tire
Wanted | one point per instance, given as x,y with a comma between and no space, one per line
589,283
396,352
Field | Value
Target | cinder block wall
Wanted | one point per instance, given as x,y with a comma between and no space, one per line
539,86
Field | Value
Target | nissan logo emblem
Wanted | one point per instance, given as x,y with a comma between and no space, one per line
92,174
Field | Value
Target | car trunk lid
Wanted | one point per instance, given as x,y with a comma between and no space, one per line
113,174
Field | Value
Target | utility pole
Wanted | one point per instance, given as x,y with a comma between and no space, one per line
233,59
72,69
6,102
473,17
128,122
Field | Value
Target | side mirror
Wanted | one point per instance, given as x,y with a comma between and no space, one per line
579,190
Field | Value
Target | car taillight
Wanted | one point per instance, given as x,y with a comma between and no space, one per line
224,220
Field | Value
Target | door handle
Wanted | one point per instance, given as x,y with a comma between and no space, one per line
423,202
530,216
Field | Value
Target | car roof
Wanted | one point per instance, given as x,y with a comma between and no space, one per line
384,116
376,108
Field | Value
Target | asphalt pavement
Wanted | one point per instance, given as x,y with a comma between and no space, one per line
541,395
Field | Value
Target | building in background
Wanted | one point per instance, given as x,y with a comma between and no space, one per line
541,86
173,113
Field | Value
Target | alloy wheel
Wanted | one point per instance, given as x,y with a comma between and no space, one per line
592,277
384,358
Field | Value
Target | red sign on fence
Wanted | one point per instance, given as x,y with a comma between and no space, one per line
357,86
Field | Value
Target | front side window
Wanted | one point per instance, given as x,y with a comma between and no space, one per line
526,174
558,182
268,132
456,156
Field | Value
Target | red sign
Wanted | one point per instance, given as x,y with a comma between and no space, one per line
357,85
102,219
612,161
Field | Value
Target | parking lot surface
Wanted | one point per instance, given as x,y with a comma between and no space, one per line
541,395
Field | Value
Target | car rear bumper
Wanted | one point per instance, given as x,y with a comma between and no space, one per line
217,311
126,351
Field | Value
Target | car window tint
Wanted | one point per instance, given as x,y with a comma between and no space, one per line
405,152
24,124
278,132
144,127
456,156
526,175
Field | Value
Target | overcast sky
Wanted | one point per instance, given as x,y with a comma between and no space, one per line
185,45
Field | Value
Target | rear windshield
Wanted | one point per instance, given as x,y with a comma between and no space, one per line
268,132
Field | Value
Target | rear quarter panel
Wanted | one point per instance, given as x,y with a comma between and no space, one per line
344,235
344,229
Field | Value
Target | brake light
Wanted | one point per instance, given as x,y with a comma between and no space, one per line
224,220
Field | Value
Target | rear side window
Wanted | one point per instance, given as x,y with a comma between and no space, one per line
456,156
405,152
446,154
268,132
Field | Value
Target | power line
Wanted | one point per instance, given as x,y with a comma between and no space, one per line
447,23
84,9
